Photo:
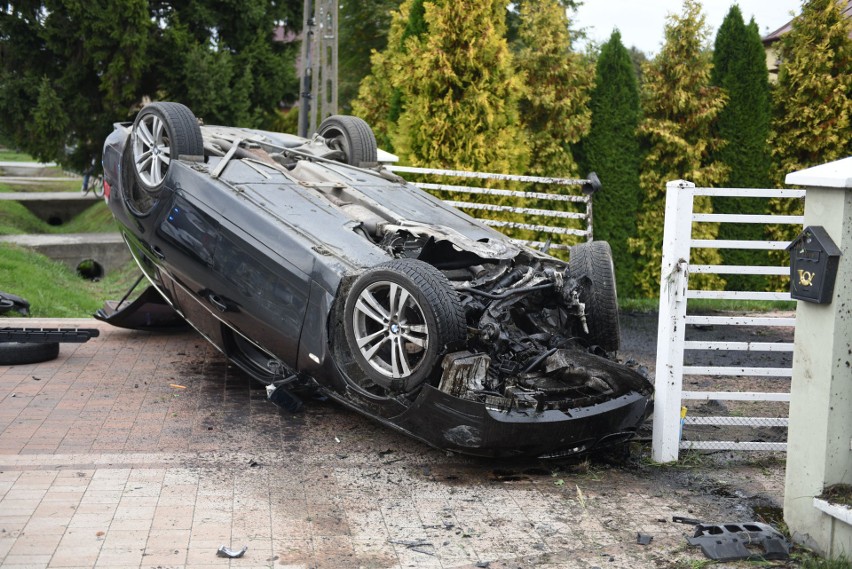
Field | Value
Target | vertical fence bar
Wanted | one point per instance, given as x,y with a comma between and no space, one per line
677,232
590,236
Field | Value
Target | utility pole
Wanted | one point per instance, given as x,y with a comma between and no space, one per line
319,64
305,81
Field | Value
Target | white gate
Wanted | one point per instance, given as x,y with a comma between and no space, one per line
673,320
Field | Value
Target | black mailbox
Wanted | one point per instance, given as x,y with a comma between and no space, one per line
813,266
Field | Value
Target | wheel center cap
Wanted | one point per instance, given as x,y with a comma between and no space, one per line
394,328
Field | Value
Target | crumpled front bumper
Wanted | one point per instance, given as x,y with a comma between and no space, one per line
469,427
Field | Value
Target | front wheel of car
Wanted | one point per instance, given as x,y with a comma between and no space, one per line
399,319
592,263
162,132
353,136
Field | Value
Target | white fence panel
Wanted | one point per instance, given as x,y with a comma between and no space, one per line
556,217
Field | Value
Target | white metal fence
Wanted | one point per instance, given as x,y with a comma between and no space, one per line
669,423
563,214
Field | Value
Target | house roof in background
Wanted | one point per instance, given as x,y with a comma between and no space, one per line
846,10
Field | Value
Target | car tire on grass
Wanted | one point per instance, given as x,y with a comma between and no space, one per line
20,353
162,132
593,261
353,136
399,319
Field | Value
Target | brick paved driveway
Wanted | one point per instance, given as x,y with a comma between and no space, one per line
140,450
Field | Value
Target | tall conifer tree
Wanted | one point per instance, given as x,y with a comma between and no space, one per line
363,27
680,109
739,67
379,100
812,121
554,107
612,151
460,91
812,101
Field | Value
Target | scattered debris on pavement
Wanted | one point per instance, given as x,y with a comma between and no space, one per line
232,553
731,541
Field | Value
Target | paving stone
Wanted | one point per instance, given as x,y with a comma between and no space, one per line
103,463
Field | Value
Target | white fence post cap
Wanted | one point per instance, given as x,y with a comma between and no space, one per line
837,174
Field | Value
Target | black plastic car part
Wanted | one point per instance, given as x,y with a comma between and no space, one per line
731,542
19,346
149,311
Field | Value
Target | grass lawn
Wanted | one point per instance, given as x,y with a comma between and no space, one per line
53,289
17,219
705,305
7,155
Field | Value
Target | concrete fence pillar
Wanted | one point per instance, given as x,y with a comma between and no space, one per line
819,445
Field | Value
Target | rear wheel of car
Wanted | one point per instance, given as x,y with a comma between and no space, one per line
351,135
399,319
161,133
593,260
20,353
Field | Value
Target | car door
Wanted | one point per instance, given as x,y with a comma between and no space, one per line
262,295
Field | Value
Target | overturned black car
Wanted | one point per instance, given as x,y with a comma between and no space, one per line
312,267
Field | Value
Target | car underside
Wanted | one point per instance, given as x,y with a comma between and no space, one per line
410,311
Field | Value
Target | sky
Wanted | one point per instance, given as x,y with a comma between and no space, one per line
642,22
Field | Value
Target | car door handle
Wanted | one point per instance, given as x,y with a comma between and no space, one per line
217,301
158,252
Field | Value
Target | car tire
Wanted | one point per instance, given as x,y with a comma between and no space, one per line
19,353
591,263
353,136
162,132
13,302
398,344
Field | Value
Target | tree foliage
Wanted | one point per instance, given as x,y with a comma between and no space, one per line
612,151
813,98
69,69
739,67
363,29
554,106
680,109
379,100
460,91
514,18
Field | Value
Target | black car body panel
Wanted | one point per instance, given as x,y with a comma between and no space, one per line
312,273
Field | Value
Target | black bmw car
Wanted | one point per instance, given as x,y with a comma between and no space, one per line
311,267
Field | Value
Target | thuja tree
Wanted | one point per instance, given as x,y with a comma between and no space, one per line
812,102
739,67
460,91
380,100
681,107
363,28
554,106
612,151
813,98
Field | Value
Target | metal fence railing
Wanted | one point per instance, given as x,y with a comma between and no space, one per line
537,211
